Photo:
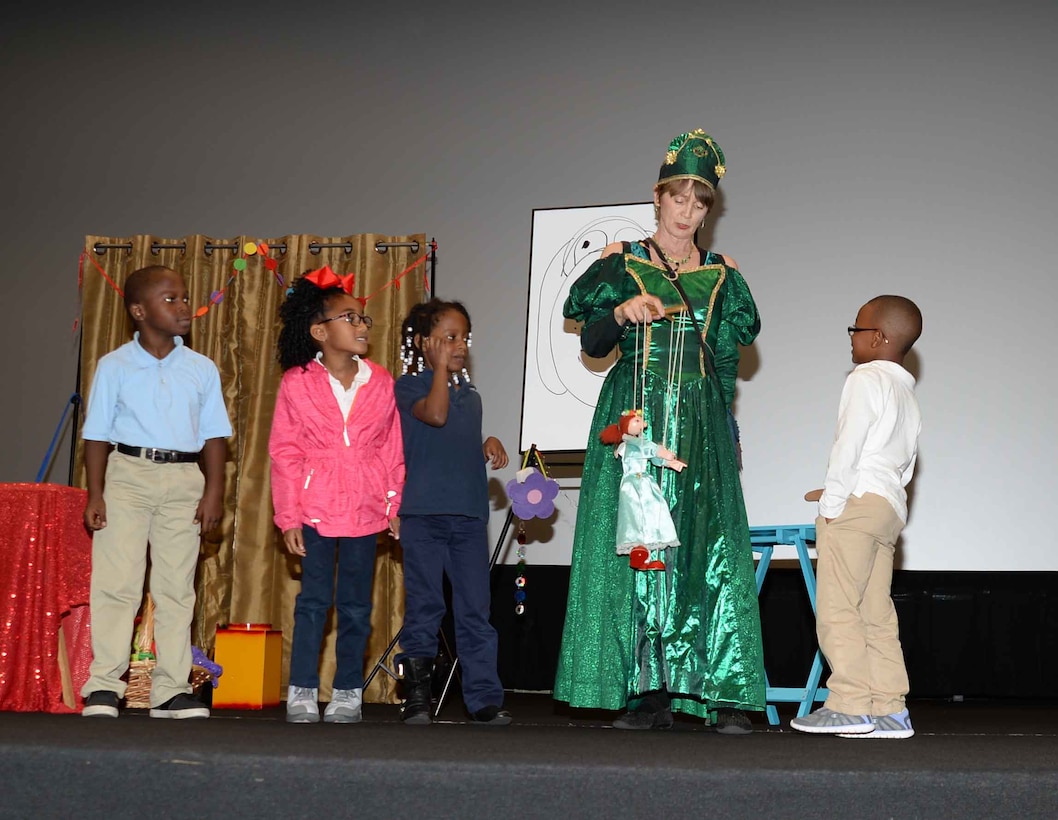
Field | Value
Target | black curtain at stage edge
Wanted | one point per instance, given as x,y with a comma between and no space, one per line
969,634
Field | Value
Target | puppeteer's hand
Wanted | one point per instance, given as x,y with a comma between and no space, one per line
494,451
294,540
676,464
642,309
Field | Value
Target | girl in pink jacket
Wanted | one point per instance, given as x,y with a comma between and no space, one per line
337,477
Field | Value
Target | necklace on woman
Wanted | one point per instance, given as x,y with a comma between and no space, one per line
676,263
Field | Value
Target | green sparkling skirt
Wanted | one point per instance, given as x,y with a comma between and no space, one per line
694,628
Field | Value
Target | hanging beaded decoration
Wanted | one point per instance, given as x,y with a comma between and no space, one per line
519,581
464,373
408,355
407,352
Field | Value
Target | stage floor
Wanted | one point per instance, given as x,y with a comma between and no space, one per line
970,759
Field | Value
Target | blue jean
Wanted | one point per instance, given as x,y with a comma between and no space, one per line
352,601
456,546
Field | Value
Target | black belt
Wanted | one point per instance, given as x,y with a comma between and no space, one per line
158,456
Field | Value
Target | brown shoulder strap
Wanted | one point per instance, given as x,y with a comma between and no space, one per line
674,277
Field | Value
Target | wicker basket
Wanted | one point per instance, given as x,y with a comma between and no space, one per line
138,693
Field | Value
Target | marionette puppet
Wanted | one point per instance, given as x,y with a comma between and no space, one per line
644,522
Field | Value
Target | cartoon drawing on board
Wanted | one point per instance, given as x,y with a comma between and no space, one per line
560,365
560,387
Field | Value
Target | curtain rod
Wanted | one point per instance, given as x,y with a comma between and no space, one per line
209,247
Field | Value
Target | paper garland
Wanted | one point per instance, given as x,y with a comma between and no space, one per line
239,264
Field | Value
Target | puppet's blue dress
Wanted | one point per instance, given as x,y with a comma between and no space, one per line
694,628
643,517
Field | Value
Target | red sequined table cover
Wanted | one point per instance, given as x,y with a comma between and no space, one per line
46,556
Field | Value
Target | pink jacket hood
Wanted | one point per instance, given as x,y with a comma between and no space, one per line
317,479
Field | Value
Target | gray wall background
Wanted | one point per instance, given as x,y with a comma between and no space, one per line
872,148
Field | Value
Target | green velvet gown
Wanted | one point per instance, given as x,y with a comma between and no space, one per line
694,628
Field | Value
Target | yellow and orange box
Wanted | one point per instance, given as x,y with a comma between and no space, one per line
252,658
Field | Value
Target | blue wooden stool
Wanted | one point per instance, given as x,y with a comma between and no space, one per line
765,541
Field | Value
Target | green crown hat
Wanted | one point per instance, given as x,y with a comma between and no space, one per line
693,156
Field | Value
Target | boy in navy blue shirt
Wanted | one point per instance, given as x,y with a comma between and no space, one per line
160,403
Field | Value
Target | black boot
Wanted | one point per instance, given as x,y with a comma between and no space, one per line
418,676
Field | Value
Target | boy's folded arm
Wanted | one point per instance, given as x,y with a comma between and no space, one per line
842,472
856,414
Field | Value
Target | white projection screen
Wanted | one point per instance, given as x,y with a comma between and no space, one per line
971,507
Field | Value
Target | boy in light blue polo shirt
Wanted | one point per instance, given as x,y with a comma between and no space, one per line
160,403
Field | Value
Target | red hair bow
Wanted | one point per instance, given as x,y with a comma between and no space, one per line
324,278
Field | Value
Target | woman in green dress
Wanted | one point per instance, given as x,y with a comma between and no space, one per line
687,638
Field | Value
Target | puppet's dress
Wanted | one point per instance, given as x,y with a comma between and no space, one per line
694,628
643,517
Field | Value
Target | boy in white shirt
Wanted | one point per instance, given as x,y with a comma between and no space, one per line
862,510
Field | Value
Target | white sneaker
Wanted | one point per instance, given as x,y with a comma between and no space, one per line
824,721
301,705
890,727
345,706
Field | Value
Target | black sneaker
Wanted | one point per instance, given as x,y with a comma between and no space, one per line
653,712
733,722
491,716
644,720
181,706
101,704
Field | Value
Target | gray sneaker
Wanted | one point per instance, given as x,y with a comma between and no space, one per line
892,727
824,721
345,706
301,705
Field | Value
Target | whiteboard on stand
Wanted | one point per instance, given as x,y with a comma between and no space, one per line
561,385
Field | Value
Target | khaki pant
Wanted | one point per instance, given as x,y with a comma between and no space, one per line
855,617
155,503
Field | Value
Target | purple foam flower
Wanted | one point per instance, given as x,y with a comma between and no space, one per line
198,658
534,495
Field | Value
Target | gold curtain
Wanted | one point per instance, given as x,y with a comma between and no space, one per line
245,575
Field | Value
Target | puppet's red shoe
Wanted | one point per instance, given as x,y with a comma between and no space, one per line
639,558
